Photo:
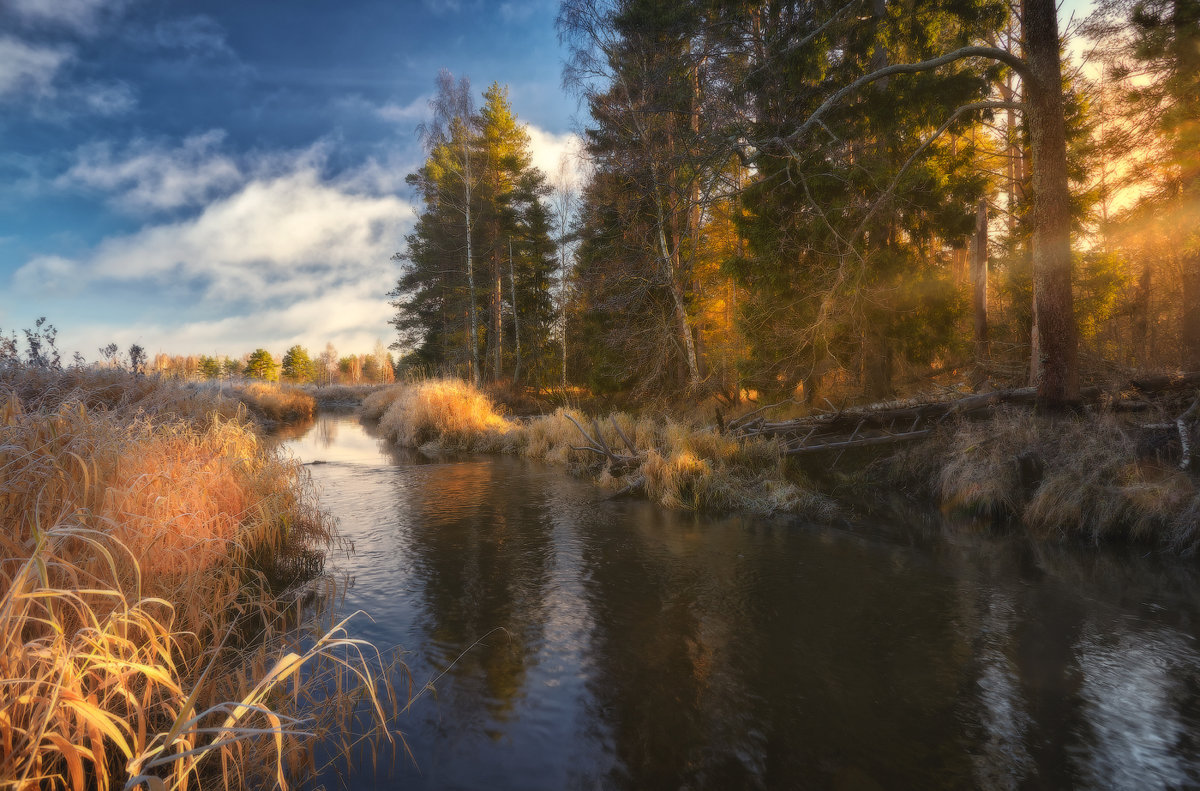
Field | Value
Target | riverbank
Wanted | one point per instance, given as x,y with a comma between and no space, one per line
152,547
1094,475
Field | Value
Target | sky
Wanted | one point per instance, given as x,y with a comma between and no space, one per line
212,176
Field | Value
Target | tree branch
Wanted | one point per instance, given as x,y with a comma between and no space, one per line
891,189
993,53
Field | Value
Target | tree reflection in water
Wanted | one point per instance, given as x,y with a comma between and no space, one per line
651,649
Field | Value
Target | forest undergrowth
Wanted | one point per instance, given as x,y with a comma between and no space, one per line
153,552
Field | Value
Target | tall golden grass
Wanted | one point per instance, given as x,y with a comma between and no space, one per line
676,464
444,413
148,538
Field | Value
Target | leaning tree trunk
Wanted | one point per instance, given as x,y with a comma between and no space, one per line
1056,364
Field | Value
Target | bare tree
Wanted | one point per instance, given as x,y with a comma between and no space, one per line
565,201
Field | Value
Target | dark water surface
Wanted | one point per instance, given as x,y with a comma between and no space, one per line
646,649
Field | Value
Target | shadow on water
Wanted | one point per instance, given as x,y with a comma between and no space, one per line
611,644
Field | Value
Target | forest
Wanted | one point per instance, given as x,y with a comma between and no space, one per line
822,200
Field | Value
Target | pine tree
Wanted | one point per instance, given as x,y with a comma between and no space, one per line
436,306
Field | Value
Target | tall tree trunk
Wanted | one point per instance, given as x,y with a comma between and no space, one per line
497,318
563,315
677,296
1190,329
979,284
473,335
512,294
1056,359
1141,317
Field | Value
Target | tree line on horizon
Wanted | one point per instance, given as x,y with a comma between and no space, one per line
295,366
795,197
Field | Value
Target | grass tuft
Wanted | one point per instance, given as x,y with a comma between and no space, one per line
676,464
148,538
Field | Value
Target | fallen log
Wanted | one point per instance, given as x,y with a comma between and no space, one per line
860,442
1185,432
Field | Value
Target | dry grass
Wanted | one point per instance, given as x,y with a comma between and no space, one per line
327,396
375,404
445,414
146,536
274,402
1067,476
676,464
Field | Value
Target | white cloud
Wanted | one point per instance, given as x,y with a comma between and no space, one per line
517,11
149,176
415,111
351,317
548,150
37,73
104,98
408,114
198,35
27,68
440,7
302,259
82,16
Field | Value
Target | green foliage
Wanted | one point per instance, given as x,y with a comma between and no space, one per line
297,365
507,210
261,365
210,367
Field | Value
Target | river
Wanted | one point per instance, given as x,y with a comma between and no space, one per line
590,643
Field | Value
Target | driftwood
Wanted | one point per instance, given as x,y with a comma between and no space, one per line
597,445
885,424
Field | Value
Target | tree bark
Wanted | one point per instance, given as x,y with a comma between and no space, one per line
498,319
1190,328
979,283
473,336
677,296
512,291
1056,355
1141,317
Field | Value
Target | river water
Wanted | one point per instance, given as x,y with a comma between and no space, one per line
586,643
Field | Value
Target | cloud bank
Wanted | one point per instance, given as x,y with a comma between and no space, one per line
287,256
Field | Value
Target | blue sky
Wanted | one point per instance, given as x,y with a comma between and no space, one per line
209,177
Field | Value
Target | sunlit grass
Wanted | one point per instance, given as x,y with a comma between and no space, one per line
678,465
281,403
149,538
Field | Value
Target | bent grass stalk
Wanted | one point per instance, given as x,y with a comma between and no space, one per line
143,640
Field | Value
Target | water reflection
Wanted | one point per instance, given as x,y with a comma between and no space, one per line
610,644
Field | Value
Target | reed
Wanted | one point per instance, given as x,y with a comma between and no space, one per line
149,538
